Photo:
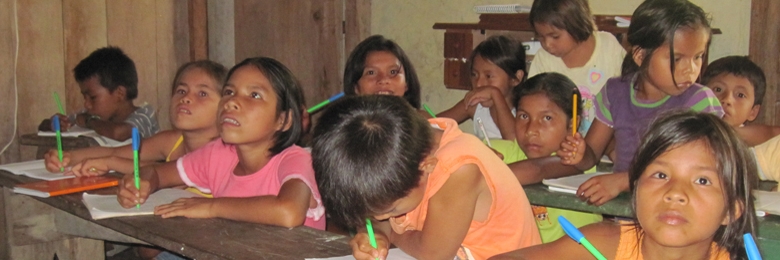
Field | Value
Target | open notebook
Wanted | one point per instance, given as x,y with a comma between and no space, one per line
570,184
77,131
392,254
107,206
33,169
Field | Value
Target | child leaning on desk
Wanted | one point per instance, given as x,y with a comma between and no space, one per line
433,191
195,96
255,171
544,119
109,83
690,182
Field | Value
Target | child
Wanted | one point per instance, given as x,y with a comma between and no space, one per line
572,46
193,112
691,181
740,85
433,191
497,65
109,83
255,171
669,38
544,112
379,66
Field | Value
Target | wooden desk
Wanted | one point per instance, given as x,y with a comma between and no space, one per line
538,194
44,143
36,228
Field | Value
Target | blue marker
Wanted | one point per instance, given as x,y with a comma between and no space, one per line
136,147
575,234
750,247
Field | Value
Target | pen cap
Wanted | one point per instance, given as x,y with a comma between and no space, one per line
136,139
56,122
570,229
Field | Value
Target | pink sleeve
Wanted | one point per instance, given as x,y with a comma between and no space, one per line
194,166
297,165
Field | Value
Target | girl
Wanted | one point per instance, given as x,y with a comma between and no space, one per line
691,181
379,66
543,121
254,171
572,46
669,39
497,65
193,111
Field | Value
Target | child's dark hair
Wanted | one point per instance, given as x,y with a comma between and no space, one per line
505,52
356,63
557,87
289,98
653,24
213,69
740,66
571,15
366,155
735,165
113,69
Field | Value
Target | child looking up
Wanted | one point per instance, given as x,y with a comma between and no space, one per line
254,171
109,83
497,65
378,65
433,191
195,97
669,39
740,85
544,113
572,46
691,181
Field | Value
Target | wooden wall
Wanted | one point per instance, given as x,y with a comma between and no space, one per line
764,34
53,36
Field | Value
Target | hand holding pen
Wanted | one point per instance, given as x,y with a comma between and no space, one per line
366,248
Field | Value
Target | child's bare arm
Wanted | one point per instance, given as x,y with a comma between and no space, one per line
460,112
755,134
535,170
597,139
502,115
287,209
450,212
603,236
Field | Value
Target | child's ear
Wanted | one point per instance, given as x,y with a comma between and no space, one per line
120,92
754,113
284,122
428,164
739,208
638,55
518,77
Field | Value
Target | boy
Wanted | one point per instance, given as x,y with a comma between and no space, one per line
432,190
109,82
740,85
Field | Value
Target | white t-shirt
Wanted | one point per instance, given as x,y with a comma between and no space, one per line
483,113
605,63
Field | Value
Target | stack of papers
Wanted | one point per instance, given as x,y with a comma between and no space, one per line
77,131
107,206
33,169
502,9
622,21
570,184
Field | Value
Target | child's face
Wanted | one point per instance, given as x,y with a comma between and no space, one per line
404,205
540,125
554,40
194,101
247,110
98,100
383,74
689,48
485,73
679,197
737,96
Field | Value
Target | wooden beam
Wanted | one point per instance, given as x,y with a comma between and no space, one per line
199,35
764,32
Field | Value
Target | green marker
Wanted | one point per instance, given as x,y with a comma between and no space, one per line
324,103
429,110
371,237
59,104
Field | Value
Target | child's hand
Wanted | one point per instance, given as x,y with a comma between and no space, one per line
600,189
483,96
91,167
362,249
64,122
500,156
572,149
188,208
52,160
128,195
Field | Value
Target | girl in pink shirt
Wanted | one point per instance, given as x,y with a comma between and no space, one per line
255,171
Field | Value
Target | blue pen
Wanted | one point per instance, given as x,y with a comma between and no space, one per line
750,247
56,122
575,234
323,103
136,146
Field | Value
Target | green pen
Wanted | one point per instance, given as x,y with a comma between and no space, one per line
59,104
57,127
428,109
370,230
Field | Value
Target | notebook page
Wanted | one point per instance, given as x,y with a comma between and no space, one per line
392,254
107,206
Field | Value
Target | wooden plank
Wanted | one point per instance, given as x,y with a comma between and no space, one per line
198,25
764,32
40,65
170,51
357,20
132,26
8,101
84,25
221,28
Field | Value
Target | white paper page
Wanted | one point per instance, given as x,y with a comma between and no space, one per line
74,131
571,182
392,254
107,206
34,169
